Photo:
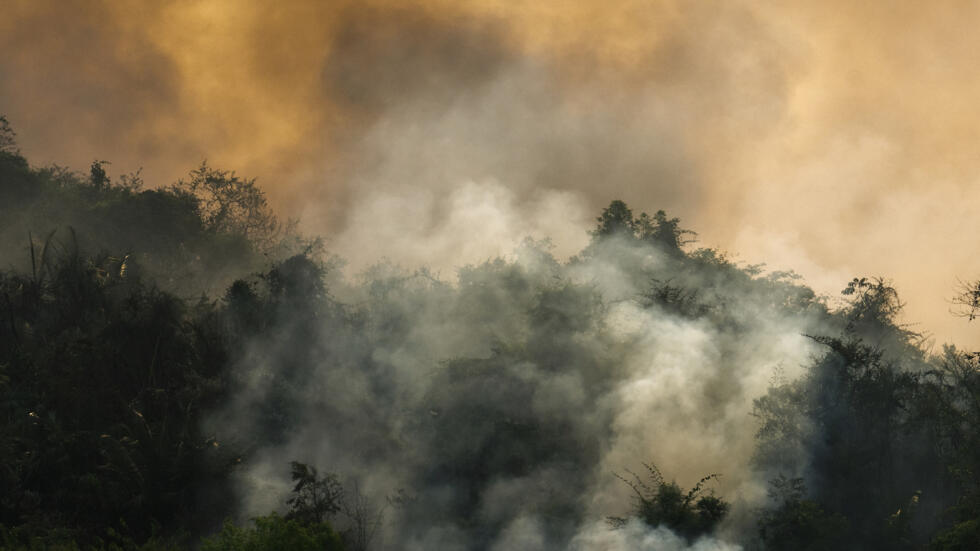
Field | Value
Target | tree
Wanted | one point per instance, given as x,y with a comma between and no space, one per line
796,523
850,425
967,300
233,205
661,503
98,176
951,407
616,219
662,231
675,299
104,385
8,141
313,497
872,300
363,517
272,533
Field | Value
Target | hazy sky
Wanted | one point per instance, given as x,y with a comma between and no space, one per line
837,139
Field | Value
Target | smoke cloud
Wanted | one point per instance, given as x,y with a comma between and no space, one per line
502,407
636,537
820,138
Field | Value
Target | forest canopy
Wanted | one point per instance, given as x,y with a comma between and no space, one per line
181,369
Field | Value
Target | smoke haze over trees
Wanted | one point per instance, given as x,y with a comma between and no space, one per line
179,368
777,131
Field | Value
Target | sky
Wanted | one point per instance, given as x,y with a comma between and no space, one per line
833,138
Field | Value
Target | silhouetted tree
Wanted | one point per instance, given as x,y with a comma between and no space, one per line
8,138
98,176
616,219
663,232
967,300
230,204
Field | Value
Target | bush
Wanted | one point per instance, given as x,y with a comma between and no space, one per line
660,503
273,533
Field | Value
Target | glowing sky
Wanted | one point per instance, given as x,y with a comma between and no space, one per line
834,138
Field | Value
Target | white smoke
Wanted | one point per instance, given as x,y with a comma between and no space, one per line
505,401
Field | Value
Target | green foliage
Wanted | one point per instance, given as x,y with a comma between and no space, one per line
106,382
796,523
662,231
197,236
964,536
858,422
274,533
30,538
617,220
313,498
296,279
850,417
675,299
475,436
660,503
873,309
949,407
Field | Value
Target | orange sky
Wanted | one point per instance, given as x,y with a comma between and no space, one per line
834,138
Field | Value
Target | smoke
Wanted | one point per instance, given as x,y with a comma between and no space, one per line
439,135
818,139
637,537
500,406
475,220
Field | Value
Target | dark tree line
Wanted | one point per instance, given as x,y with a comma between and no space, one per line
107,366
885,433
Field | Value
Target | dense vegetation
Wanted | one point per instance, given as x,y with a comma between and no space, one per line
162,350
